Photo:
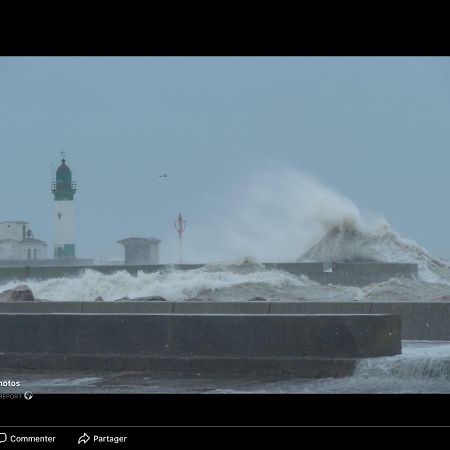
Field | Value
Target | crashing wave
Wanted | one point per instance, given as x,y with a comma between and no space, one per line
175,285
350,242
246,264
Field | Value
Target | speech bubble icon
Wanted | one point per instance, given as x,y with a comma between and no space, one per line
3,437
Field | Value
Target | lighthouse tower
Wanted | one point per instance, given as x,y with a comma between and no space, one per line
63,189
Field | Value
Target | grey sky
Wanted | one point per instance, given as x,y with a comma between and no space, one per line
376,129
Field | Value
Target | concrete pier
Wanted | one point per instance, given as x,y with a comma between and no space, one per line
348,274
307,345
420,320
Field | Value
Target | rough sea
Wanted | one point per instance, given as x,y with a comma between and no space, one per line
322,227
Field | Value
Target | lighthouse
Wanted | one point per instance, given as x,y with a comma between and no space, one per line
63,189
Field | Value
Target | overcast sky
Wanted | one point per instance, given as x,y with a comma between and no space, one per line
375,129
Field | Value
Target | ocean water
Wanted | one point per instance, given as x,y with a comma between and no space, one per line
243,279
237,281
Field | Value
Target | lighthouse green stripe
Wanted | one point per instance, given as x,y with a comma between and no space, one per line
63,194
60,196
68,251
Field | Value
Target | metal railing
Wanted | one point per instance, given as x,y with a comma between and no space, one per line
62,185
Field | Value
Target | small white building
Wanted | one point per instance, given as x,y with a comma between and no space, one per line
17,242
141,250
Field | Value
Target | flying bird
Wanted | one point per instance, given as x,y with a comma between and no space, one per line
163,176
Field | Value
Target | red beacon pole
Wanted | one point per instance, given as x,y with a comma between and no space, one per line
180,226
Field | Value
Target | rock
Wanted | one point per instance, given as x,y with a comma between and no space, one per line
21,293
442,298
99,299
257,299
151,298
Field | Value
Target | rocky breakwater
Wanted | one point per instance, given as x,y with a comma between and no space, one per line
23,293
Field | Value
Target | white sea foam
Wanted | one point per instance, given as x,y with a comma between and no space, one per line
418,361
173,285
349,242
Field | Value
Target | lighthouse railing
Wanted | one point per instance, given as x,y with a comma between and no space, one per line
63,185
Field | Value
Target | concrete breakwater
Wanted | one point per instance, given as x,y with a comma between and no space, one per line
307,345
420,320
347,274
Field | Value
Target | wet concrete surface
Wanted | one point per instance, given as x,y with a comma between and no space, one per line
109,382
423,367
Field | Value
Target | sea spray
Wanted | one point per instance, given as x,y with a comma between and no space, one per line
274,216
286,215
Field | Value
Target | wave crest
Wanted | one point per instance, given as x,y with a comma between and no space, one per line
350,242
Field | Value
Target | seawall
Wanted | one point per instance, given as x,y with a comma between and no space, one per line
420,320
307,345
